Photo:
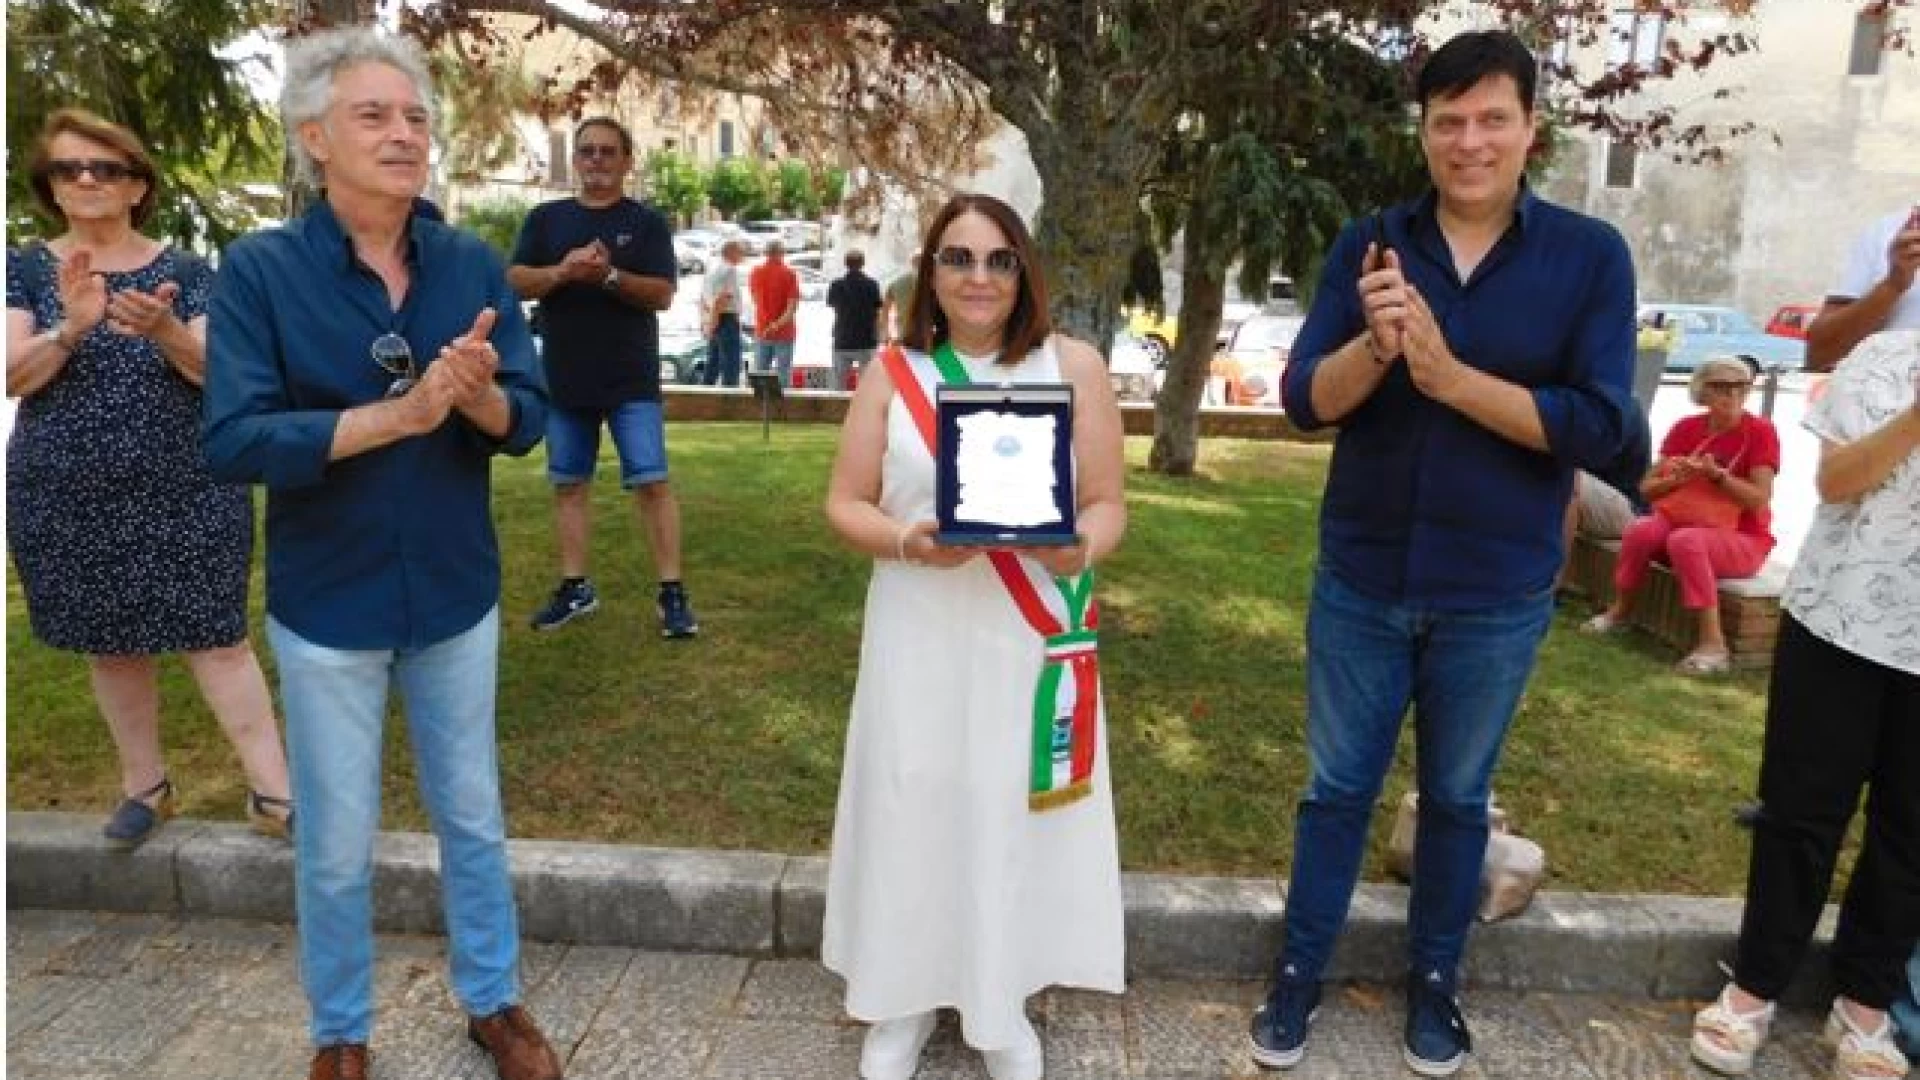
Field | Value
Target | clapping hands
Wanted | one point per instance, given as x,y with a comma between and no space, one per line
587,264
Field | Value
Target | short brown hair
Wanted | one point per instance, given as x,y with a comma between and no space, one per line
1030,322
87,125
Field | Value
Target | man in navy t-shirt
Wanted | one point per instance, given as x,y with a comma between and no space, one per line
601,265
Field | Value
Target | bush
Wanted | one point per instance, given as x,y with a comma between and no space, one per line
497,221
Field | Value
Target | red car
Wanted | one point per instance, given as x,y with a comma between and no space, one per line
1792,320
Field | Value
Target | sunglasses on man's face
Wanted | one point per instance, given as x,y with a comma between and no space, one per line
105,170
1000,262
594,153
395,357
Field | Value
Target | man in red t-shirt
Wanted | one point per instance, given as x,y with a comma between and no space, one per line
776,306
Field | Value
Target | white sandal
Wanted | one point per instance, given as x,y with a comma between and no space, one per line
1726,1039
1705,663
1862,1055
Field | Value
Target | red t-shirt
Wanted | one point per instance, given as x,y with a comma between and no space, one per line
774,286
1751,444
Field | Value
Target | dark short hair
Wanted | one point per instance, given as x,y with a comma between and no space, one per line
855,260
1030,322
1460,64
608,122
95,129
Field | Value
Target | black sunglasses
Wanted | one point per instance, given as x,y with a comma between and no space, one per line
1000,262
395,357
1739,387
105,170
590,151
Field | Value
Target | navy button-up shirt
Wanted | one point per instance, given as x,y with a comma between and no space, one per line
393,548
1423,505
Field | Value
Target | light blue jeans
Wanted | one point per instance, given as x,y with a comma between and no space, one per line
336,703
1367,661
774,356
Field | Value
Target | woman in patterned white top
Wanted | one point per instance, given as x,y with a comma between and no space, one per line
1843,714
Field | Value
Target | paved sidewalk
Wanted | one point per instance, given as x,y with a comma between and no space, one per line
156,997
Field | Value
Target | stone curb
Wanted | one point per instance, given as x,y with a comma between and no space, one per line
767,905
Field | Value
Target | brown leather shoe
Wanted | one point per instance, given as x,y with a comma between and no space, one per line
347,1061
514,1042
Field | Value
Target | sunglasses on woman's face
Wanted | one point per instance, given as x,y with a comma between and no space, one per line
1719,387
1000,262
105,170
395,357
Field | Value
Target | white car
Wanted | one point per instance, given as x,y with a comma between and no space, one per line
1249,371
1131,369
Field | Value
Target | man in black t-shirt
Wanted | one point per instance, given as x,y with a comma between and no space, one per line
855,300
602,265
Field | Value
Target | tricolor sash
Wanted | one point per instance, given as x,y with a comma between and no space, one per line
1066,698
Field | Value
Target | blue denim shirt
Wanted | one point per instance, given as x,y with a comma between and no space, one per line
1423,505
392,548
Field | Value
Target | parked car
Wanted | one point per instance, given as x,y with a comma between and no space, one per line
795,233
1135,368
696,250
1792,320
1704,330
1250,369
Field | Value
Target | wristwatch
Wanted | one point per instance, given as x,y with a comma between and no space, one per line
612,280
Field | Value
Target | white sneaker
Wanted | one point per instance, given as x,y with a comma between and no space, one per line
1861,1055
1026,1059
892,1047
1725,1039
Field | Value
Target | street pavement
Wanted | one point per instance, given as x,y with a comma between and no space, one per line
105,997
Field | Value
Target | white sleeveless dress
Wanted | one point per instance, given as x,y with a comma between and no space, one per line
944,889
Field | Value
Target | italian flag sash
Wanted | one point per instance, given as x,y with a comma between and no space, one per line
1066,699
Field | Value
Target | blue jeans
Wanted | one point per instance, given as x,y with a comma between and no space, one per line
723,352
336,702
774,355
1463,672
1906,1009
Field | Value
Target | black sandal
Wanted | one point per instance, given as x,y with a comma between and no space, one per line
134,820
270,815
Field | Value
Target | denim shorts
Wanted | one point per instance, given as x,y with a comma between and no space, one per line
639,436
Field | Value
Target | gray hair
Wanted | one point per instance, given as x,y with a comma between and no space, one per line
316,60
1724,365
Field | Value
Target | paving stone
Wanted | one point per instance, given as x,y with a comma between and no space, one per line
570,997
789,1049
623,1046
35,1000
792,990
116,942
656,983
33,935
1194,1027
221,1048
118,1024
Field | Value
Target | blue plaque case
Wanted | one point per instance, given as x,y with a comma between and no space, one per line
951,403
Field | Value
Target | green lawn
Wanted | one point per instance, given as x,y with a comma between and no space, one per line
1624,772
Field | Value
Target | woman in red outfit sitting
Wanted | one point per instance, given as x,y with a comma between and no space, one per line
1710,490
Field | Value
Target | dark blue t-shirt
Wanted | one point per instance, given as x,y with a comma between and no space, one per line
600,351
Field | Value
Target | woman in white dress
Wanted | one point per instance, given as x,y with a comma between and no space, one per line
974,857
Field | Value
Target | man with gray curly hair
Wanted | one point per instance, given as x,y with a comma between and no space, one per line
364,363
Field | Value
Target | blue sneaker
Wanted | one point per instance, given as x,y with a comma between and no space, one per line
568,602
1279,1031
676,615
1437,1039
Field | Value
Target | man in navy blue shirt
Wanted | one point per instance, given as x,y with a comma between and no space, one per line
366,363
1474,347
602,265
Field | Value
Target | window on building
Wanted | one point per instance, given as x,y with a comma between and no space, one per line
1635,37
1869,43
1623,164
558,159
726,138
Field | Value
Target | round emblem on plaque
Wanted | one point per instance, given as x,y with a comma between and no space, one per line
1007,446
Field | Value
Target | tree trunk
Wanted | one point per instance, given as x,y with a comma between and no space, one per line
1092,167
1176,410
